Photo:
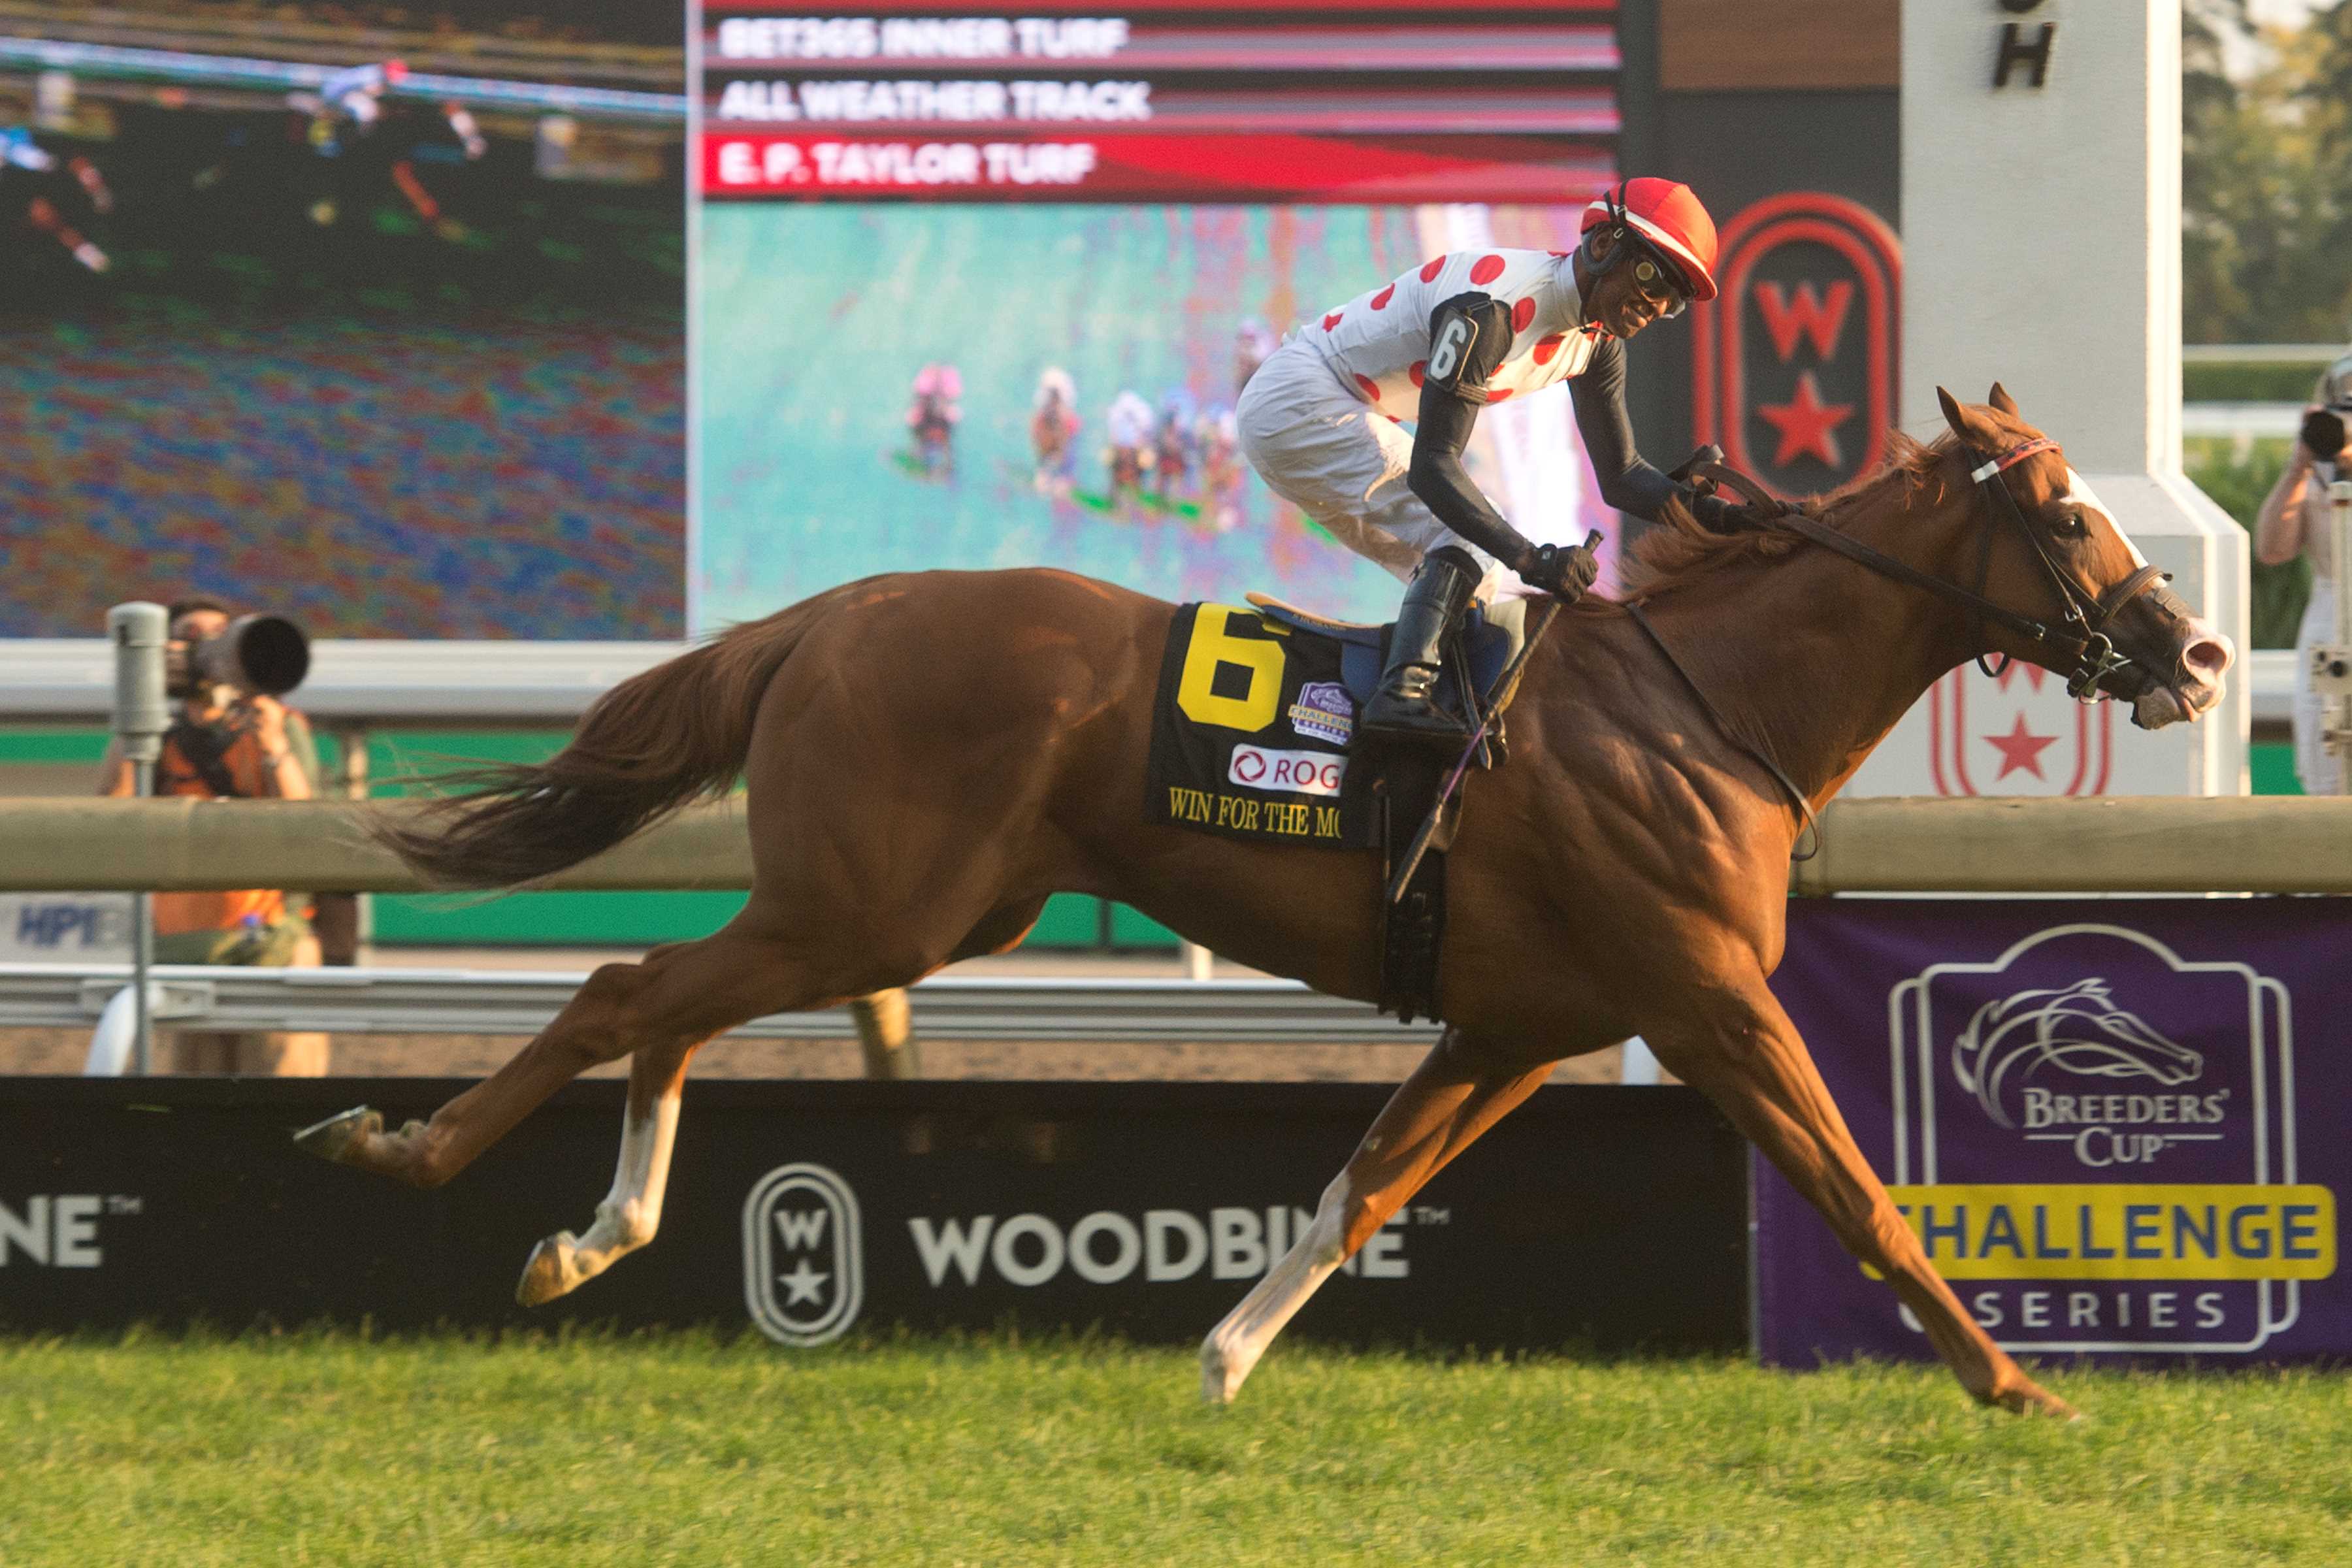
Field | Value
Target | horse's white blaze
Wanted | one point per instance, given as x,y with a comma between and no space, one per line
2080,493
1233,1346
2161,706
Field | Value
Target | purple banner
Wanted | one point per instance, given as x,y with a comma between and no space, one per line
2118,1125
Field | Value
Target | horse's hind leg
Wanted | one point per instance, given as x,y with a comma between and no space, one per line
631,1211
1451,1099
678,997
1744,1052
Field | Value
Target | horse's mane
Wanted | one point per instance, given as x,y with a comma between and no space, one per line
1677,550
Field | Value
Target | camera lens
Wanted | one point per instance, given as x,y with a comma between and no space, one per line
2323,432
274,652
268,654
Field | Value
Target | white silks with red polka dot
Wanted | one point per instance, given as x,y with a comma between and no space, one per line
1319,421
1379,342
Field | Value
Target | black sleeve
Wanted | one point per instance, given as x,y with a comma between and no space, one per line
1627,483
1469,335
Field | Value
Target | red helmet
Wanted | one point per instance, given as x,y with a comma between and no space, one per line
1667,216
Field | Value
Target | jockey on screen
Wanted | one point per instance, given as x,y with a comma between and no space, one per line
1321,421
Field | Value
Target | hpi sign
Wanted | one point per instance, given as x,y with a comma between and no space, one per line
64,928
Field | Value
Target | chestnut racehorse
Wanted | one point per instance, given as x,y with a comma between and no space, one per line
929,756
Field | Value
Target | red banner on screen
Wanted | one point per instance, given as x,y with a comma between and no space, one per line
1045,168
1097,8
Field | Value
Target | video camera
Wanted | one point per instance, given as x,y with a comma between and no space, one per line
269,654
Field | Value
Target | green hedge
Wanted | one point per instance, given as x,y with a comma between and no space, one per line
2238,484
2229,381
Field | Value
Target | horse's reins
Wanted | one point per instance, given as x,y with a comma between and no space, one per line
2084,618
2085,615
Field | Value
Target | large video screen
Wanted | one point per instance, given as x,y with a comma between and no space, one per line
981,289
371,314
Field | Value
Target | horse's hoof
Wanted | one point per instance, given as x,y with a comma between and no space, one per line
1220,1378
2050,1405
334,1138
2032,1399
550,1272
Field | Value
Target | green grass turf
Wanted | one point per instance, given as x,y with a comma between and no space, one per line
586,1451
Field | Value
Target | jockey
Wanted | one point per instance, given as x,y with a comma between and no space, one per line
1321,421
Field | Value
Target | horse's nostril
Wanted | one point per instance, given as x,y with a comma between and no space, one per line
2208,656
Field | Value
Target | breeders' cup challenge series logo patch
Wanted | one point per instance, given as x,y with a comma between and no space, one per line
1324,712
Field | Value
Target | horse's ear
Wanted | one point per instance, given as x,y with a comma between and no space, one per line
1969,423
2001,400
1953,414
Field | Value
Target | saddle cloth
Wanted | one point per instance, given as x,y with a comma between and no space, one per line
1257,707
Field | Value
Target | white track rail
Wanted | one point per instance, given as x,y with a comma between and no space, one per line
507,1002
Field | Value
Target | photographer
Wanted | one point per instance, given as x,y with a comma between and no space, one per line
2293,520
229,741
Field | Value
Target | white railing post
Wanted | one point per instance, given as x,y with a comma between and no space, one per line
142,713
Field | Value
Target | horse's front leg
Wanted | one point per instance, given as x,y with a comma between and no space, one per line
1739,1047
885,1033
1455,1095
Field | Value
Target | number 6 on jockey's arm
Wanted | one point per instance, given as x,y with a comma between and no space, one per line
1469,337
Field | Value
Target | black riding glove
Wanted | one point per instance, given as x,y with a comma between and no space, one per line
1563,570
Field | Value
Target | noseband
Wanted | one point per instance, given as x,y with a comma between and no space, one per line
2081,631
2084,618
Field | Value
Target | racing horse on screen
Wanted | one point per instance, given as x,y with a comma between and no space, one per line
929,757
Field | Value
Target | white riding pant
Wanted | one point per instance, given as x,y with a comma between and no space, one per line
1317,446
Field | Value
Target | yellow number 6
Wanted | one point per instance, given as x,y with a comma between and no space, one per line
1212,645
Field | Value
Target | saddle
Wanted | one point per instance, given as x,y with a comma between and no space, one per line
1489,640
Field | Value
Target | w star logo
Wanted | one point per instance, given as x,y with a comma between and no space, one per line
803,1256
1794,367
2017,732
1808,424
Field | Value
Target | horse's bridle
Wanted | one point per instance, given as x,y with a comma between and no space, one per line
2081,631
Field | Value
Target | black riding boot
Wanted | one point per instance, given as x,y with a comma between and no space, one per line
1403,710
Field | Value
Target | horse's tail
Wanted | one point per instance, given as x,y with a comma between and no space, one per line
653,743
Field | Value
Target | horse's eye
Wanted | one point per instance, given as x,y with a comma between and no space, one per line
2071,526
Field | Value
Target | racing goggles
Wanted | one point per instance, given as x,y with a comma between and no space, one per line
1658,284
